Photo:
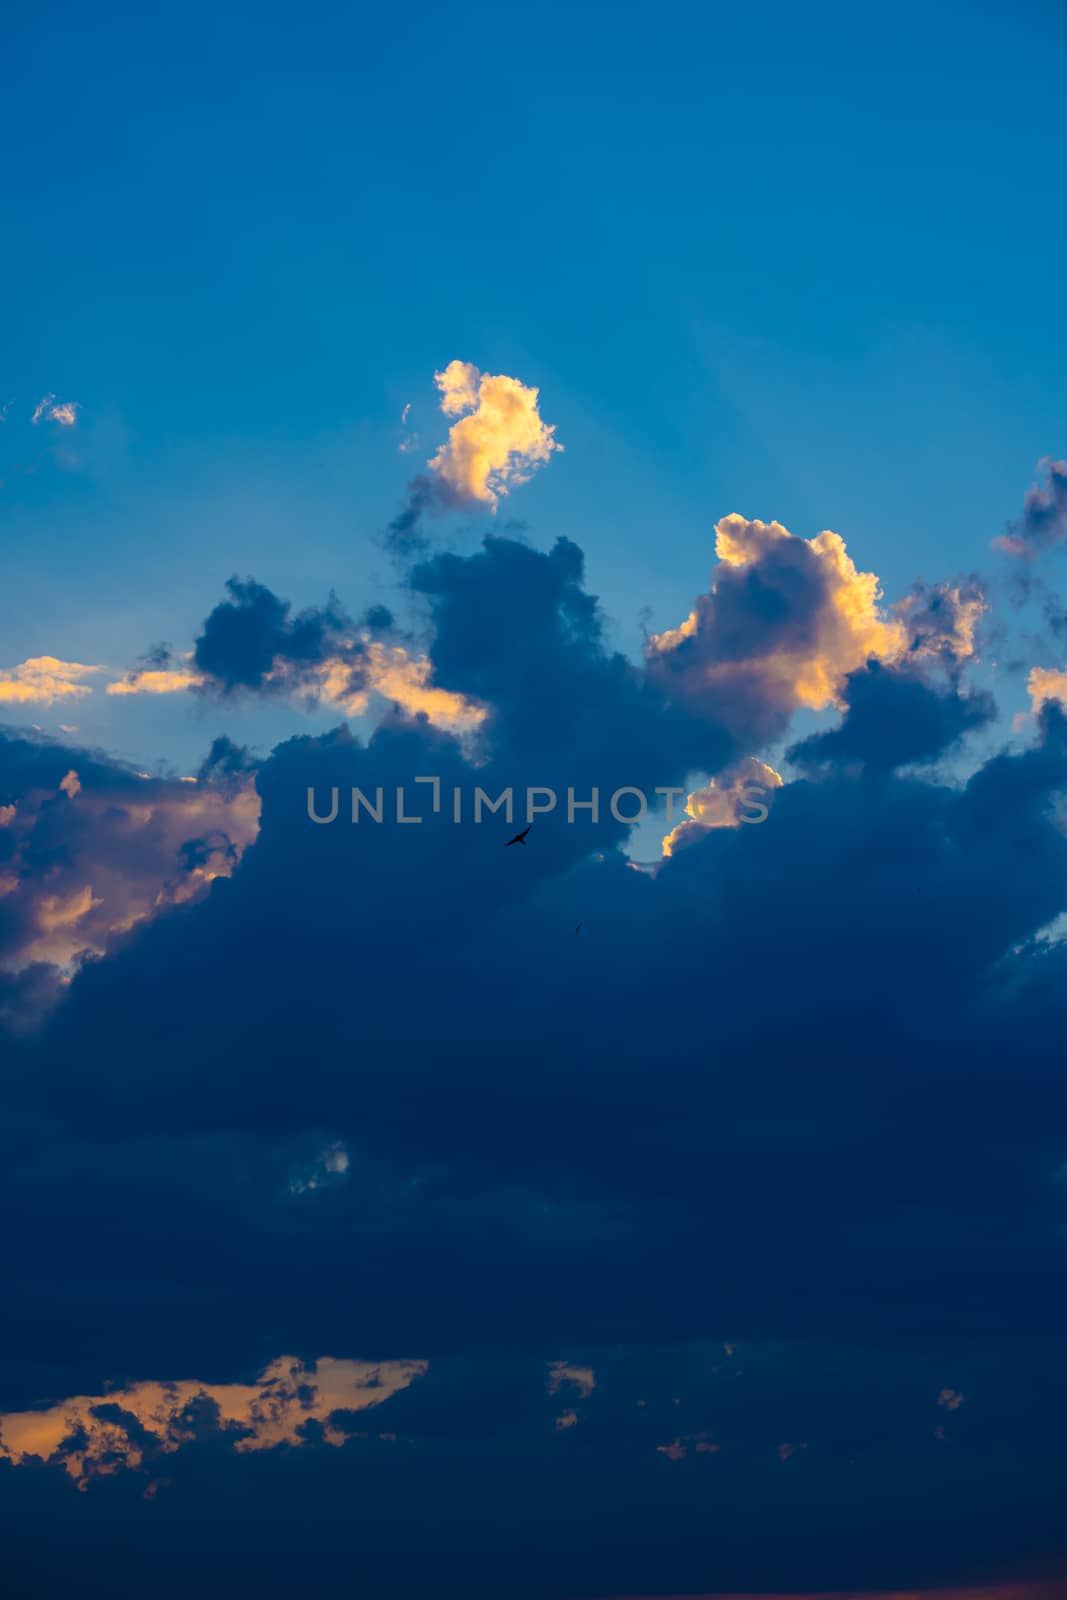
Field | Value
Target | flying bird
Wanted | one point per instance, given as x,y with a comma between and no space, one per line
520,838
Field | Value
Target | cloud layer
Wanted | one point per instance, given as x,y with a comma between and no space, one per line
698,1188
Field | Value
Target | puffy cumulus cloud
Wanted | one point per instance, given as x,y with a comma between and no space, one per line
499,439
94,1436
784,623
88,851
48,409
458,383
736,796
1044,516
497,442
42,680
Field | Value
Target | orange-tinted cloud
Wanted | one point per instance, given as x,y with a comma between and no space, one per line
730,799
1044,684
346,679
787,620
130,849
783,624
96,1435
156,680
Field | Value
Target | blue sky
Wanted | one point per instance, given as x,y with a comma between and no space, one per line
803,267
508,1221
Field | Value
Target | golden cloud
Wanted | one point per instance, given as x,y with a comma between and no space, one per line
728,799
156,680
786,620
42,680
92,1438
405,680
499,439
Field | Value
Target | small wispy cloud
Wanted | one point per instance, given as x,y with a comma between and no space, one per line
1044,517
49,409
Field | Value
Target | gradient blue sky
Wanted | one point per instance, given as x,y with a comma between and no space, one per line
803,263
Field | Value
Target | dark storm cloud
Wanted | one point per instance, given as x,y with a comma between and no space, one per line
894,719
800,1086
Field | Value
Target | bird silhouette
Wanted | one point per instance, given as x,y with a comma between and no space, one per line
520,838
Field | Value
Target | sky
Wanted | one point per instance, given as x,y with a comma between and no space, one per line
533,794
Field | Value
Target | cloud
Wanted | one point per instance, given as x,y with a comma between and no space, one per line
1044,517
131,1428
728,801
330,1166
1045,685
87,852
942,621
893,718
42,680
680,1447
773,1093
157,680
248,634
499,440
563,1374
251,643
783,624
47,409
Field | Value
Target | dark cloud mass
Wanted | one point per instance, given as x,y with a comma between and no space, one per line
775,1147
247,634
894,719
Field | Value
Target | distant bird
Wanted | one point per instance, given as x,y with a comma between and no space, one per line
520,838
